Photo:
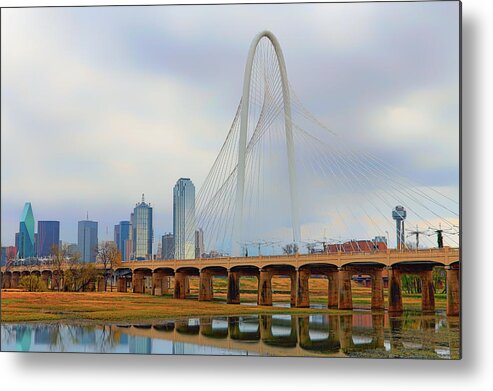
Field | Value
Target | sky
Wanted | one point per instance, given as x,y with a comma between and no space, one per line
100,105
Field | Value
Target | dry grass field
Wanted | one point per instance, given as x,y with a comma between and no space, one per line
19,306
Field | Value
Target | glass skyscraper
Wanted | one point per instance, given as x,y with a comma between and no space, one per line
88,240
168,246
25,246
48,236
184,219
123,233
142,233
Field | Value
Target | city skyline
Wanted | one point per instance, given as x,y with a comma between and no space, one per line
368,108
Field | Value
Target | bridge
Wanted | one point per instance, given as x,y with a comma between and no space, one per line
274,149
338,268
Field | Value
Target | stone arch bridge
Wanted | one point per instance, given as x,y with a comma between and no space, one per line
338,268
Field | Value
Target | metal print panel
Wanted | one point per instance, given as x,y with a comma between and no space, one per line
264,179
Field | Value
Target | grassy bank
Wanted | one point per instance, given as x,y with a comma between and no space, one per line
18,306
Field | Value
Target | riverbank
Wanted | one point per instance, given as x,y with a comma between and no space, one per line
18,306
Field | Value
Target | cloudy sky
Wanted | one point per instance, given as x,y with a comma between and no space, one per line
100,105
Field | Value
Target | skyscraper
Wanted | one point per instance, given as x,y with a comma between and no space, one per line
88,240
48,236
184,218
123,233
199,243
168,246
26,239
142,233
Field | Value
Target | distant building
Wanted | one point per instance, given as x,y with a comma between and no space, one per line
184,218
72,249
142,233
357,246
47,237
168,246
25,245
199,243
88,240
8,252
123,233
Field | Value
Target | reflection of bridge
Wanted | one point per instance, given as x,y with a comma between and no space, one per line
337,268
334,335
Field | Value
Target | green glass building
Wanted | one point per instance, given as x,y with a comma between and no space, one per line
26,247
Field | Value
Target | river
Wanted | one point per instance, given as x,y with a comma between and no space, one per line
360,334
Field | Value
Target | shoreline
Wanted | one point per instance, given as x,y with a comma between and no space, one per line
111,307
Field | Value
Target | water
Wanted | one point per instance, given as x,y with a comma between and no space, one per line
360,334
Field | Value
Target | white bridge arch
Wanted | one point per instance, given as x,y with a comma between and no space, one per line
240,183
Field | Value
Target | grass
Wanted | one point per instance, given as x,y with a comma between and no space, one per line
19,306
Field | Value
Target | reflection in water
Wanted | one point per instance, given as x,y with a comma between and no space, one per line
361,334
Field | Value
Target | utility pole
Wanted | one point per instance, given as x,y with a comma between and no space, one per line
416,232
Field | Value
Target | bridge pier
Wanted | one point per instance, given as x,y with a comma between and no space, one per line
453,290
138,282
395,290
100,284
14,282
302,288
377,298
206,291
180,291
292,277
159,283
332,299
45,277
233,287
264,296
6,280
121,285
345,294
427,291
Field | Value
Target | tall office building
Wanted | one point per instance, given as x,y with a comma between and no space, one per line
168,246
199,243
88,240
48,236
142,233
25,246
123,233
184,219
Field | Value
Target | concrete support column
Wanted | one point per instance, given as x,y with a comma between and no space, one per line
427,291
138,282
264,296
206,292
395,291
233,288
6,281
377,300
293,289
332,299
345,294
14,282
45,279
100,284
179,291
122,284
453,291
302,289
157,283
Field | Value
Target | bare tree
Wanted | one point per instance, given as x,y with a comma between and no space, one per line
291,248
58,259
108,255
